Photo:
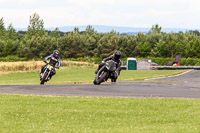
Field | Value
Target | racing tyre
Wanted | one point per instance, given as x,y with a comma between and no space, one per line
95,82
102,78
43,79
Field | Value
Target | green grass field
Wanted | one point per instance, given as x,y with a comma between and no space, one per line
39,114
79,75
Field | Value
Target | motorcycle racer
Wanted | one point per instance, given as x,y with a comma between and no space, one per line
53,60
115,57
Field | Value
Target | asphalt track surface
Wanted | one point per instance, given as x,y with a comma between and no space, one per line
180,86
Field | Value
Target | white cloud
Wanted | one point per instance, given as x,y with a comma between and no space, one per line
167,13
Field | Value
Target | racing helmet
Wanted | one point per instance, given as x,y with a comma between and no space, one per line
117,55
56,53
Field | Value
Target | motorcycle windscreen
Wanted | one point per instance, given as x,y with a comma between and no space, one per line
111,66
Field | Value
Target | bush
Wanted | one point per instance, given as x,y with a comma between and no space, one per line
12,58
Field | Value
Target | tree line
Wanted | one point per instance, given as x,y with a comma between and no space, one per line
38,43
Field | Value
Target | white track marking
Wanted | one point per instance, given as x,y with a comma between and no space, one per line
170,76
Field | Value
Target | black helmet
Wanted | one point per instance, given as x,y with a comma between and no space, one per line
56,53
117,55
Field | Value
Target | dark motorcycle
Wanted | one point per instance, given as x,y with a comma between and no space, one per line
45,76
105,72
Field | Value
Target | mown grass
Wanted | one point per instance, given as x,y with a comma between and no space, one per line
145,74
25,114
79,75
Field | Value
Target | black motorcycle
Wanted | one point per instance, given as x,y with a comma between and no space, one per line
45,76
105,72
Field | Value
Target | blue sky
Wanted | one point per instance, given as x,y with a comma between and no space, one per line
128,13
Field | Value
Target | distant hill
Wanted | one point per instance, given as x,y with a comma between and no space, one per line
104,29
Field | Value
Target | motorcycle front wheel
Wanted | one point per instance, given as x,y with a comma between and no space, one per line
43,79
102,78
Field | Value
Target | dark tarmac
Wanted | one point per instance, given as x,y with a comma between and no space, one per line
180,86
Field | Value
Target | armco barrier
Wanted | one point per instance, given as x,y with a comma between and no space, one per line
174,67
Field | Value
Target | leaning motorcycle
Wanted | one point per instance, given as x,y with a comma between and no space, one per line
45,76
105,72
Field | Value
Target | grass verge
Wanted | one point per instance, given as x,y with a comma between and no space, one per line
146,74
79,75
19,113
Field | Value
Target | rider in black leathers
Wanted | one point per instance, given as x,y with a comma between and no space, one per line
115,57
54,59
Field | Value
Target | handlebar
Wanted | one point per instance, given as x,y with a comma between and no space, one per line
48,63
110,60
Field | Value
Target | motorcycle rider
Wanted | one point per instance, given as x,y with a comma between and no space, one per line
54,59
115,57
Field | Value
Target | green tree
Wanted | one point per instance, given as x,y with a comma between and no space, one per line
89,30
107,45
36,26
2,29
90,38
144,49
2,44
161,50
127,45
72,45
11,33
48,45
10,47
155,29
76,29
55,33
